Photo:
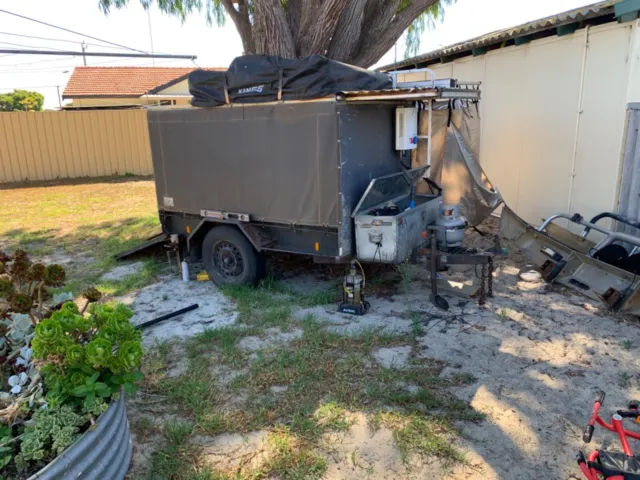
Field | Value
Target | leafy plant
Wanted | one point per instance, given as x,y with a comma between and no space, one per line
6,451
87,359
51,431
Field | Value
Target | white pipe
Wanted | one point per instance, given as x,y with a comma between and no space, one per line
576,139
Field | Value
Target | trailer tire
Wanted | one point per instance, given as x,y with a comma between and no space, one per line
230,259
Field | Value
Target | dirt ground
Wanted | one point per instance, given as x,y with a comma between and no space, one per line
538,354
530,360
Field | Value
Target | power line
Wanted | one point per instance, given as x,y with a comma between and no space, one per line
25,88
57,40
29,46
70,31
61,67
66,59
97,54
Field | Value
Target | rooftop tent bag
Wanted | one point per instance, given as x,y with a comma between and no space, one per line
211,88
267,78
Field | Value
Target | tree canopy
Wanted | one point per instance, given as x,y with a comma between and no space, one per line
21,101
359,32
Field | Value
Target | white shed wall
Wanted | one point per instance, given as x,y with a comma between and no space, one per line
546,146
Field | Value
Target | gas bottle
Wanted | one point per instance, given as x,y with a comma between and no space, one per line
454,225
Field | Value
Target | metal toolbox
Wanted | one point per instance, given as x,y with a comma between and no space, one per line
390,219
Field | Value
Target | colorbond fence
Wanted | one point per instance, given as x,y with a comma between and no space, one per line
51,145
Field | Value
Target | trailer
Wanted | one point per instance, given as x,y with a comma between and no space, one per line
326,177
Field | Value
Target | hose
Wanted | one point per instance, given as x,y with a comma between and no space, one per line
361,271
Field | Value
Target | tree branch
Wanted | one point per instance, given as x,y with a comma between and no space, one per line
240,18
374,44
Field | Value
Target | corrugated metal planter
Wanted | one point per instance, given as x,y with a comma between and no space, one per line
100,454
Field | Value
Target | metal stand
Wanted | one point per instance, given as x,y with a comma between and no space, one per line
459,256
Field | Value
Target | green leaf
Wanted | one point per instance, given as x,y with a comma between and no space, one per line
94,377
80,391
91,396
104,393
5,461
116,379
137,376
130,389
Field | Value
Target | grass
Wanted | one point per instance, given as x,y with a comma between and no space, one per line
91,219
299,393
626,344
624,379
423,436
224,340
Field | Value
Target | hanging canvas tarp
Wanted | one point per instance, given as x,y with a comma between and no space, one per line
455,166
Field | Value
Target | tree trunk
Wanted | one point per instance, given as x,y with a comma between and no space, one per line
319,21
271,32
377,39
348,31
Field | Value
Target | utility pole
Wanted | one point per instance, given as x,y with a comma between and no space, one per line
84,49
59,100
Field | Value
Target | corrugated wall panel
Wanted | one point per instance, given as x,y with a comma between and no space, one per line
529,110
50,145
630,188
548,121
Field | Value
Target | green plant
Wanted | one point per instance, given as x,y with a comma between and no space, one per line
51,431
6,450
21,101
626,344
23,284
88,358
624,379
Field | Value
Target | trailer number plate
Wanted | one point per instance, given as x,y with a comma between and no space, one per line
168,201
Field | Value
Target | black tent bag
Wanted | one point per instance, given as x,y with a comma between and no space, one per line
267,78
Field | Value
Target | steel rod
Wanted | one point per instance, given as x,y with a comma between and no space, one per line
167,316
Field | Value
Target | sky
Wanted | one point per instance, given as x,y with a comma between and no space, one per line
214,46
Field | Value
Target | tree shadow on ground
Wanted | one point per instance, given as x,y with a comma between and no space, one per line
75,181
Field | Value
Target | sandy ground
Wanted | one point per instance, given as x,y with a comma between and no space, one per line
539,354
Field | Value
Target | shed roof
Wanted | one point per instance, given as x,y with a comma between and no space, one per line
593,11
92,82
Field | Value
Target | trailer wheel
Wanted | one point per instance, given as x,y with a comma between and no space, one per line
230,259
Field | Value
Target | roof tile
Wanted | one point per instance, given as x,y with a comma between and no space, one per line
121,81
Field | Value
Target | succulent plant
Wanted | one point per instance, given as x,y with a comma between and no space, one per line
54,275
36,272
62,297
20,265
21,303
24,359
18,382
7,288
21,328
92,294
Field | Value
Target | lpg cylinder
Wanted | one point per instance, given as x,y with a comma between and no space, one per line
454,226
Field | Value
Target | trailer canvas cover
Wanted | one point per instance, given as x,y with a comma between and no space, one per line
266,78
